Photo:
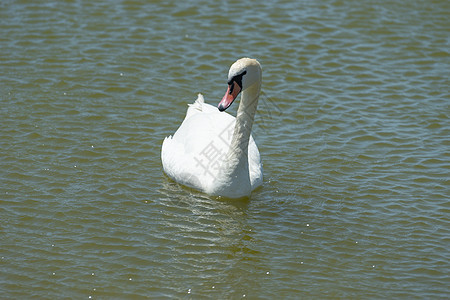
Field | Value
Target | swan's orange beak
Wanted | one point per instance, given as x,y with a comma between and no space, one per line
232,92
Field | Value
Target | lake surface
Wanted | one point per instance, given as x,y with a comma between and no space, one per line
353,130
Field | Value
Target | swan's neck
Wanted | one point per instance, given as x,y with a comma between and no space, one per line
237,157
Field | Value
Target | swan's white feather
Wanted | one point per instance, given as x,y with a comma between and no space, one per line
193,155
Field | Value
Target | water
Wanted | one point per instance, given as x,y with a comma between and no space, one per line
353,129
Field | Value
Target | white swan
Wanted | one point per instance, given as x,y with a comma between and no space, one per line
213,151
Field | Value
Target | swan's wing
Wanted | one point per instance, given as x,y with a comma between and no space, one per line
254,164
173,159
203,127
185,154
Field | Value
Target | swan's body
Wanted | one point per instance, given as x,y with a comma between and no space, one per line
213,151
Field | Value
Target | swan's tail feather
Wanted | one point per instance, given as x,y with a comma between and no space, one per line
197,106
198,103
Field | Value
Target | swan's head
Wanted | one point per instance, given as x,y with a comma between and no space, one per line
244,73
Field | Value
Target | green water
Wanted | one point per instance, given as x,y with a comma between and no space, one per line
353,129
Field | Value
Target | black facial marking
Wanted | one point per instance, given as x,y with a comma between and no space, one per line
237,79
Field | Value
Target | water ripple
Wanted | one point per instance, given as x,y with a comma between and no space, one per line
352,127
